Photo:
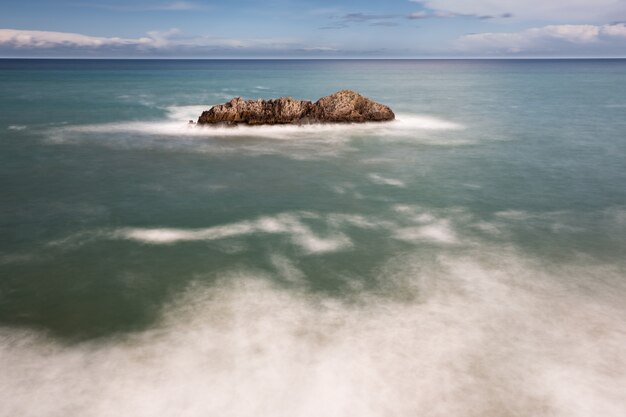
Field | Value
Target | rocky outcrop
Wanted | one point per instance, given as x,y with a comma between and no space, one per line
344,106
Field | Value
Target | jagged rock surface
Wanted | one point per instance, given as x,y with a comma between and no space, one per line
344,106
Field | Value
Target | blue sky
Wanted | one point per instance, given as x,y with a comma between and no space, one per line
313,28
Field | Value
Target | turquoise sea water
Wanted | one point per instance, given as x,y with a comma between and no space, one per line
467,259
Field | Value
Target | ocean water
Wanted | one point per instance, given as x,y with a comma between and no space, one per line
467,259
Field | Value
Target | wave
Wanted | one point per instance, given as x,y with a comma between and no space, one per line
403,122
410,227
380,180
178,117
323,232
437,232
307,142
473,328
290,224
403,126
478,333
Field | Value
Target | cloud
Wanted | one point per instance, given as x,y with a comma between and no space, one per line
363,17
556,10
577,39
171,6
43,39
419,15
319,49
34,39
346,20
617,30
438,14
170,42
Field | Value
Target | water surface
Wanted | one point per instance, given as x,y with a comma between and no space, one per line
466,259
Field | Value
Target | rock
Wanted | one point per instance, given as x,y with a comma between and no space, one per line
344,106
347,106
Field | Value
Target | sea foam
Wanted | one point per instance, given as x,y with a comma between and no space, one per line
475,328
287,223
306,142
178,117
474,334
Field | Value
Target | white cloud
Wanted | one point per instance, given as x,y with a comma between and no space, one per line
145,7
556,10
552,38
42,39
154,43
442,14
418,15
614,30
171,39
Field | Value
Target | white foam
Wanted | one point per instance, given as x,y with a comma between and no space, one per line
167,235
485,335
314,244
418,224
412,121
514,215
287,269
179,116
183,114
488,227
17,127
339,220
379,179
307,142
415,225
438,232
290,224
402,126
415,214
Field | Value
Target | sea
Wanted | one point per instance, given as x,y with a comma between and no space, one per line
467,259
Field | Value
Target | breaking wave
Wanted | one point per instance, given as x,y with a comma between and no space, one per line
471,335
474,328
178,117
306,142
301,235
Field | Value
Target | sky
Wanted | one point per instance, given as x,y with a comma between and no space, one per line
312,28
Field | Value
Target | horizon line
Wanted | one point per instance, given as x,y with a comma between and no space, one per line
539,58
